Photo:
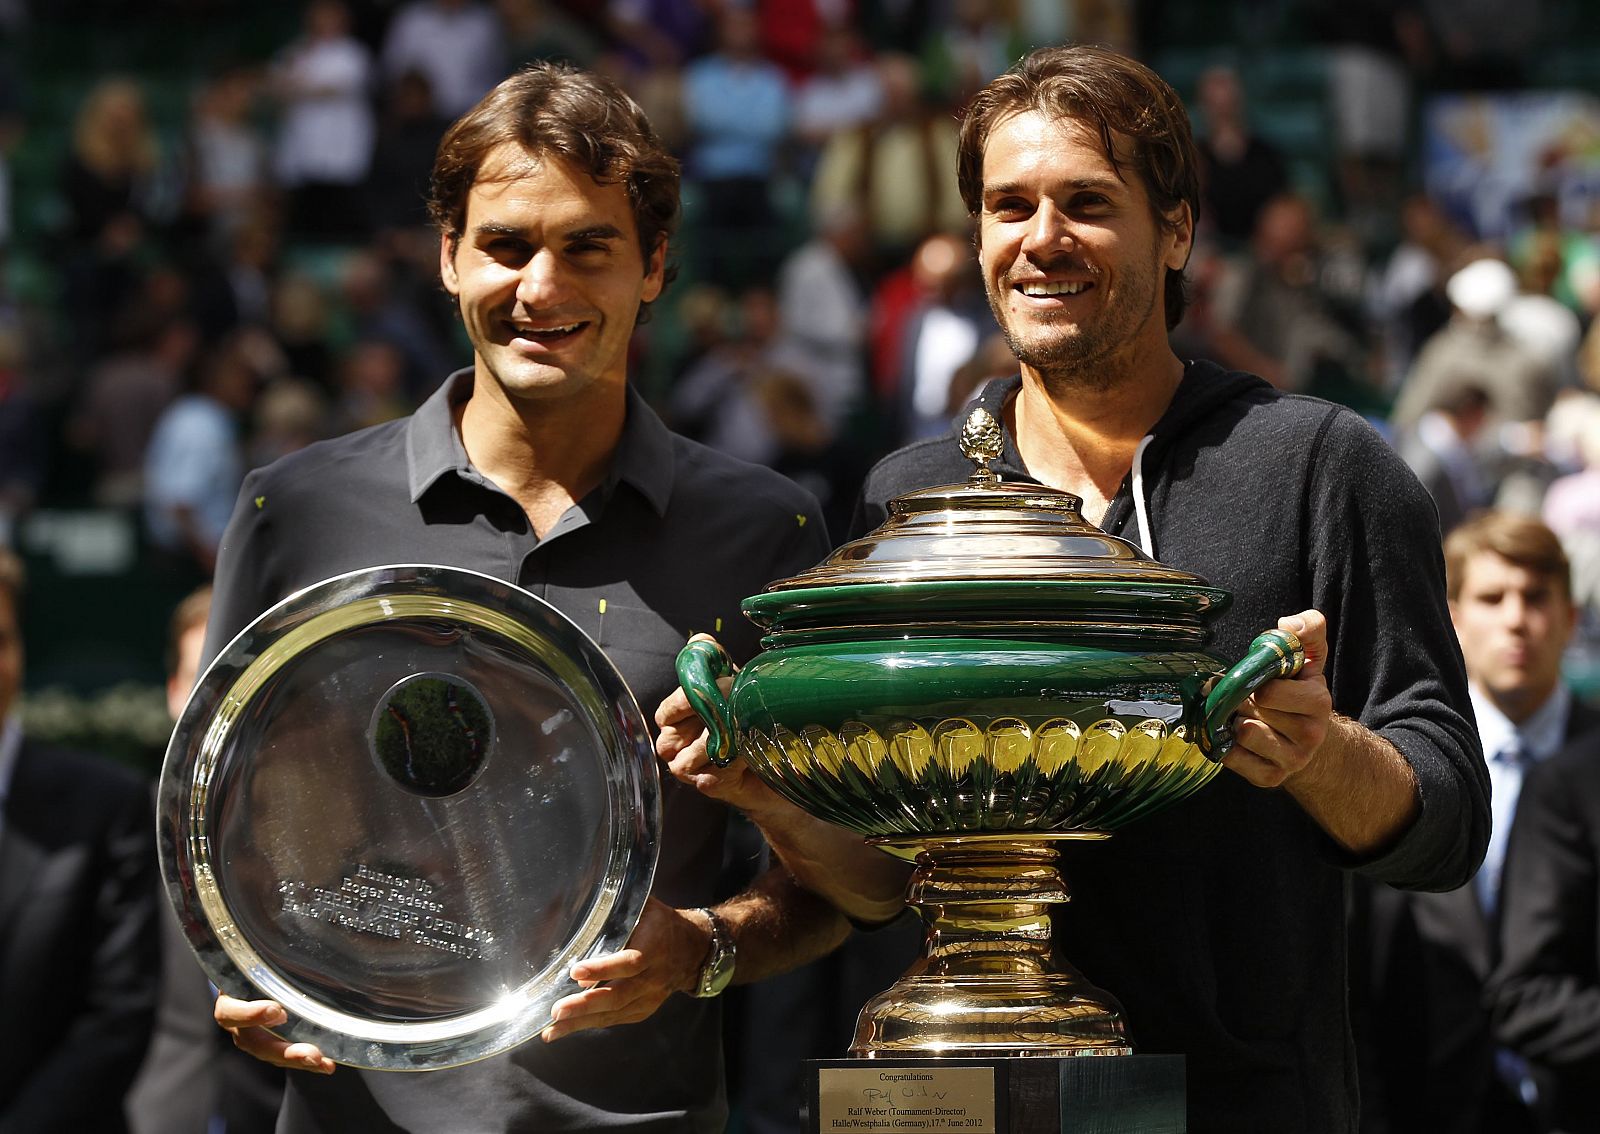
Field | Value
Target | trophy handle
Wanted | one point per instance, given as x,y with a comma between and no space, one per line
700,664
1274,654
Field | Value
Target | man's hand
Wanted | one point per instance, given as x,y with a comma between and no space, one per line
1279,730
248,1020
1353,783
664,955
682,744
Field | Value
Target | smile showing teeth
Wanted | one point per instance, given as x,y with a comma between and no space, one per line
545,332
1041,288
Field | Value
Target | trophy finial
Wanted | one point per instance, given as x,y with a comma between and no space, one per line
982,441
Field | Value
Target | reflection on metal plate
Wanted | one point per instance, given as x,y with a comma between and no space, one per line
403,803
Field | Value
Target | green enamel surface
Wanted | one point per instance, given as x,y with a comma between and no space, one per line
940,677
953,735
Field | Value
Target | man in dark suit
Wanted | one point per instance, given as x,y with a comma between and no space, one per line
1420,961
77,920
1545,996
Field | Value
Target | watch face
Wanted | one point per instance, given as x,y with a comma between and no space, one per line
403,803
719,974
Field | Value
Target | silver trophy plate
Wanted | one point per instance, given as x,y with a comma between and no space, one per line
403,803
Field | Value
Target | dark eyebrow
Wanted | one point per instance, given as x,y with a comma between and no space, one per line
494,228
1003,188
592,232
595,232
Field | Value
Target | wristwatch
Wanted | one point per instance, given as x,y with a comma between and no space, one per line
717,973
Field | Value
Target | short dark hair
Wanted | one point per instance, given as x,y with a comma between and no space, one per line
584,118
1519,539
1113,95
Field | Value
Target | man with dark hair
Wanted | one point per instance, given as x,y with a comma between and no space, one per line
1427,957
77,918
555,202
1219,923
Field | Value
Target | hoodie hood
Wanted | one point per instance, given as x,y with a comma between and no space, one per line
1186,425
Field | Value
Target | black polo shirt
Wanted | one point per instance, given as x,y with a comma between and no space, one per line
670,542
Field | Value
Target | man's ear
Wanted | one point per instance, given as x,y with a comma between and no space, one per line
1180,225
447,263
655,272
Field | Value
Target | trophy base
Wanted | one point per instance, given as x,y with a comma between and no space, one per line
1054,1014
1131,1094
989,982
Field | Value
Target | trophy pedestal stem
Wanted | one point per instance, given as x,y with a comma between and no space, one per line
989,982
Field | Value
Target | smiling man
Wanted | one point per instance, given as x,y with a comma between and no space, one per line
1219,923
555,202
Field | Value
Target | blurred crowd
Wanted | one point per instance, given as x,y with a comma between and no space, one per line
227,288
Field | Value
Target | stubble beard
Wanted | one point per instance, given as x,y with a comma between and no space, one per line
1081,362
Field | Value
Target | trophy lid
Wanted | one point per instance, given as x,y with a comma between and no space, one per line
984,546
403,803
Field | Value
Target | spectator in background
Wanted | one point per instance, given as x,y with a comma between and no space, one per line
78,930
1474,348
371,386
842,92
323,84
1273,315
968,48
1374,49
458,44
659,33
822,314
716,401
791,31
408,135
941,336
195,462
534,29
378,309
1545,996
736,109
290,414
1571,505
1442,451
1240,171
1511,605
1555,258
229,180
1408,302
193,1080
301,315
126,393
900,166
112,183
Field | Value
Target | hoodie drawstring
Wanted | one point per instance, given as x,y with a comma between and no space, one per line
1147,539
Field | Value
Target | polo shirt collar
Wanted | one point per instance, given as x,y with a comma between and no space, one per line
643,459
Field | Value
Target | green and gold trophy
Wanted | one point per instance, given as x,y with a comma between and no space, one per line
981,679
